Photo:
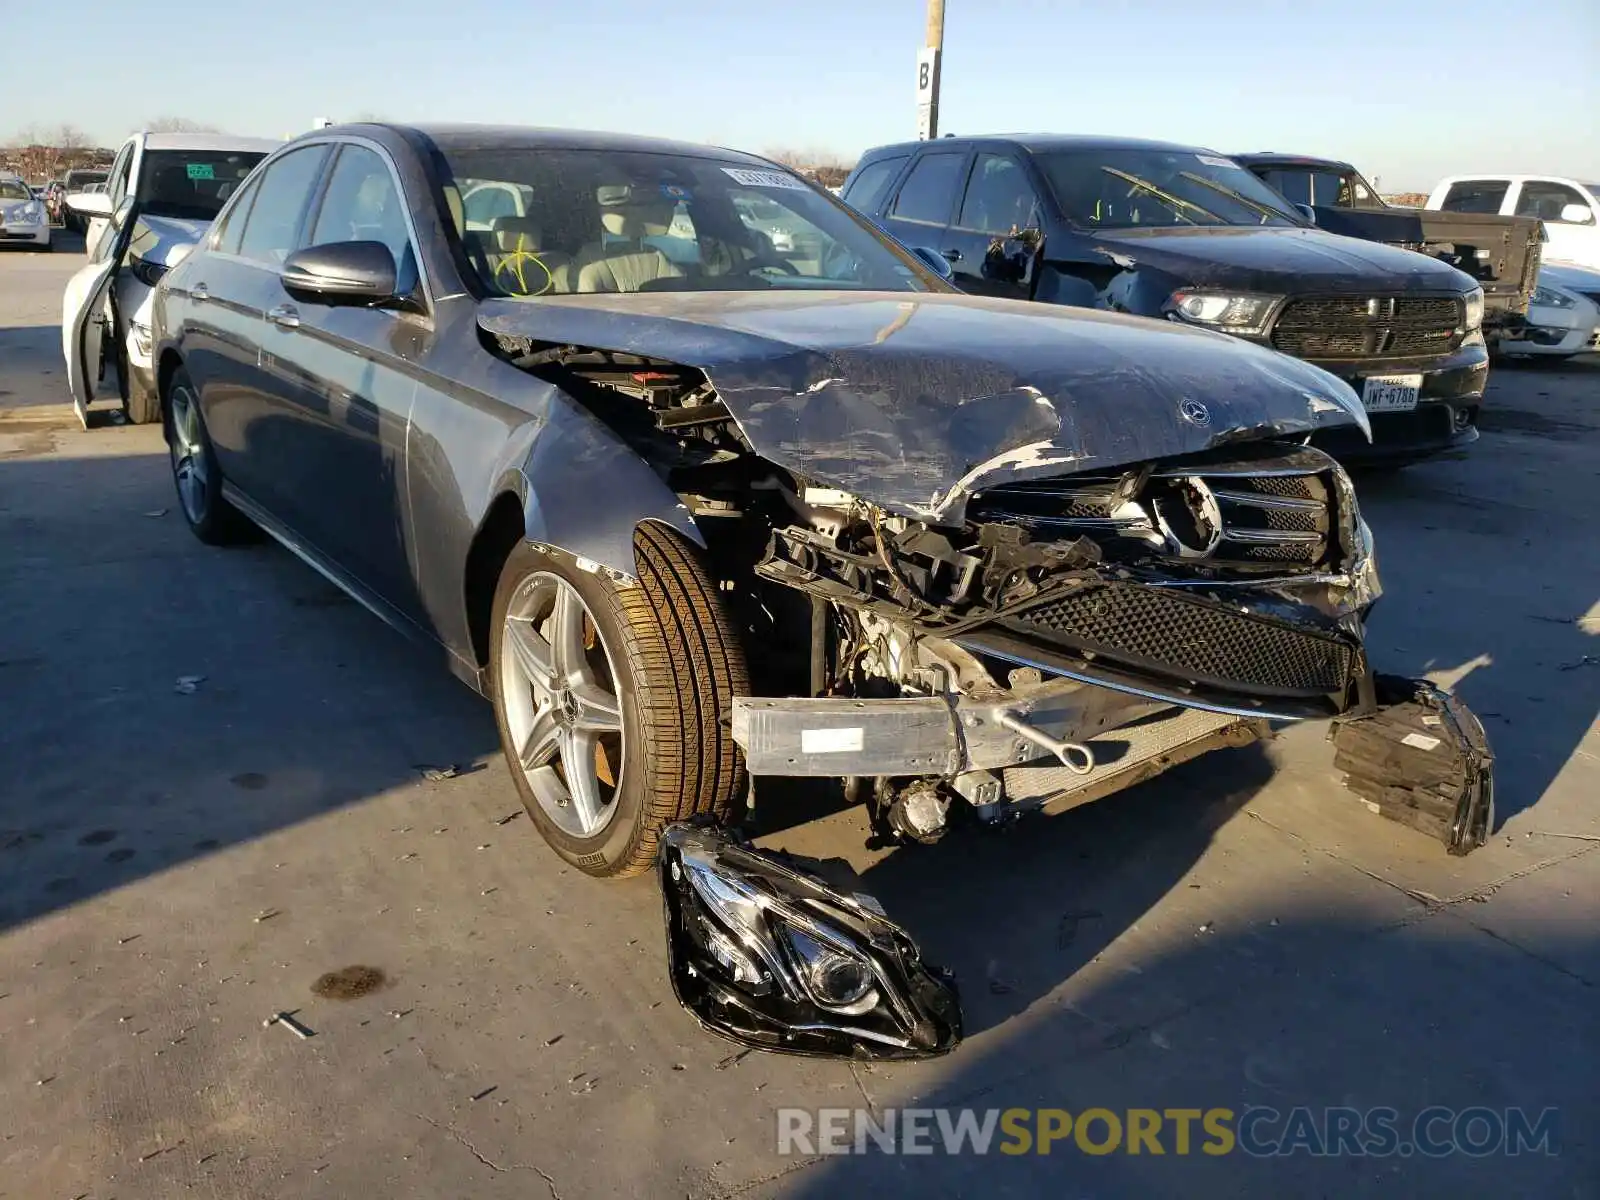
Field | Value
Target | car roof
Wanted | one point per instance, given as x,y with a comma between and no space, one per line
1270,158
1038,142
210,141
516,137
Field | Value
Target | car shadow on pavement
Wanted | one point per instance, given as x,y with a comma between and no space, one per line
1492,579
165,699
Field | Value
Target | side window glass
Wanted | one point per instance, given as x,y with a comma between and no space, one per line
280,200
999,197
1545,200
117,188
1475,196
231,228
867,188
929,192
1294,186
362,204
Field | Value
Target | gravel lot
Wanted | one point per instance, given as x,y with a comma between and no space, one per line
175,867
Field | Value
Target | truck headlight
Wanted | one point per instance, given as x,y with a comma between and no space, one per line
1223,311
1472,302
147,273
1547,298
141,338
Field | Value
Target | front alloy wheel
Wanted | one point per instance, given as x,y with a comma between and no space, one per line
563,717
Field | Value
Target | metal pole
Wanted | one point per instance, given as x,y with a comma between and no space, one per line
928,73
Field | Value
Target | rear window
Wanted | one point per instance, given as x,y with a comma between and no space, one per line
192,183
865,191
929,192
1475,196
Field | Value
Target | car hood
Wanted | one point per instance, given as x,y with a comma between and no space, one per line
1281,261
164,240
10,207
1573,278
916,402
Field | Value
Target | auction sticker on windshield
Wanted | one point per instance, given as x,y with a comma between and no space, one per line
202,171
775,179
1390,393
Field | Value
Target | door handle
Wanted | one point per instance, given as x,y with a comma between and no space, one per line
285,316
200,293
952,255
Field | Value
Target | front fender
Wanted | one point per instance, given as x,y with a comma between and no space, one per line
585,491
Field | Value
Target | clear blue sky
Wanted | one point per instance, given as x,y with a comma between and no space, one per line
1409,89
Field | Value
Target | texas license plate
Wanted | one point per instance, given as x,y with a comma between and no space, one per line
1390,393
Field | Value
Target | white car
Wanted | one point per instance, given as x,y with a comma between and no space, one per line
1563,316
23,217
1570,209
160,196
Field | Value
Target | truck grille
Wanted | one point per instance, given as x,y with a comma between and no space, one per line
1367,326
1193,639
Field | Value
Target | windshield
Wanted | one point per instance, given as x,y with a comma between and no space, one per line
538,221
192,183
14,189
1133,189
80,179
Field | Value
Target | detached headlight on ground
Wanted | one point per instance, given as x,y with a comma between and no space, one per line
1549,298
1473,304
1225,312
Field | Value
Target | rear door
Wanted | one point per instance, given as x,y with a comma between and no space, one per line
83,309
996,242
340,385
924,205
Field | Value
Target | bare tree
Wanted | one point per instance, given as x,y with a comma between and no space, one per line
178,125
826,167
69,138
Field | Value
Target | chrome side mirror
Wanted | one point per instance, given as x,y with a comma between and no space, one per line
764,953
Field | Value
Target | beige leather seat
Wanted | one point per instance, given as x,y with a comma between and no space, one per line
631,214
520,262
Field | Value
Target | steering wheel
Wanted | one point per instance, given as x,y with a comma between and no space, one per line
514,265
779,265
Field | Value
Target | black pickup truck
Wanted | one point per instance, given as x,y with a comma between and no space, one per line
1188,235
1501,253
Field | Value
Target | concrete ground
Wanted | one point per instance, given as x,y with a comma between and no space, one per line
178,864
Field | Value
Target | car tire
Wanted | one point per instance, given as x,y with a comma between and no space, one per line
662,654
195,473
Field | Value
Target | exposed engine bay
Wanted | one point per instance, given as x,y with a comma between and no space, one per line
1033,643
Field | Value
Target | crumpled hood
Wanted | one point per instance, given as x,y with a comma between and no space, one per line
1282,260
165,240
917,401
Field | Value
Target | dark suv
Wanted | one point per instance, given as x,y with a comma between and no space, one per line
1185,234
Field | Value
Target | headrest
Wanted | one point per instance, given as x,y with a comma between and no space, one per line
516,233
634,212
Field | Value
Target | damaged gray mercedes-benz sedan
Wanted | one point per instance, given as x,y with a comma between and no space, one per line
691,509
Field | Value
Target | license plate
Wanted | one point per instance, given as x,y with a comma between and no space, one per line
1390,393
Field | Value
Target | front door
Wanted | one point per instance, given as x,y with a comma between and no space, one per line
83,310
1553,202
341,389
996,241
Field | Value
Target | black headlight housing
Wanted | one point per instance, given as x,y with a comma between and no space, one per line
764,953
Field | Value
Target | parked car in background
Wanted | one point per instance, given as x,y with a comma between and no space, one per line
24,218
1569,208
1563,317
1501,253
166,187
80,179
1188,235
